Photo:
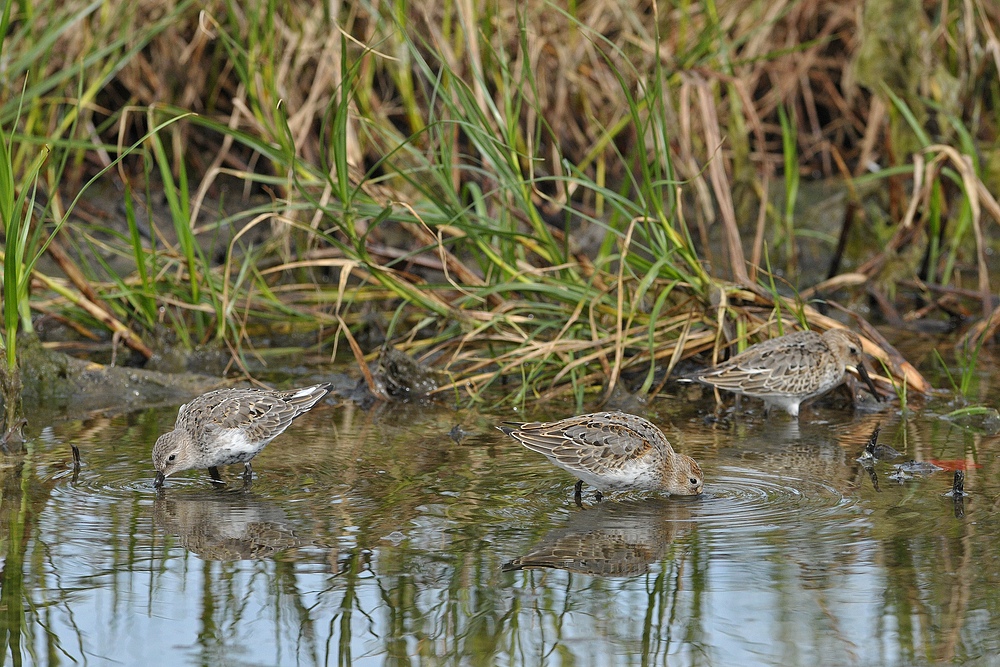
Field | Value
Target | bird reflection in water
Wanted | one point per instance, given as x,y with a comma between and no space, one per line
620,539
218,525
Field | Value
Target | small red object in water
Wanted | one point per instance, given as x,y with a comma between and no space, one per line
954,464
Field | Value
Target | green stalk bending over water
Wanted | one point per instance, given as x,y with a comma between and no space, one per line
16,215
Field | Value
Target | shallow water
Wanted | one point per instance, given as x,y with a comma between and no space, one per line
370,538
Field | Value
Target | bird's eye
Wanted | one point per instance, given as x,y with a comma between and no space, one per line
170,459
693,480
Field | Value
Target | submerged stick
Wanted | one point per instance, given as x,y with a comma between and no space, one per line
958,493
76,462
958,484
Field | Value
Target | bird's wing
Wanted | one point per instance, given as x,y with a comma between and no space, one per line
766,370
593,442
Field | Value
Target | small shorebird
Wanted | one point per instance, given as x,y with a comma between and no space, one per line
228,426
787,370
611,451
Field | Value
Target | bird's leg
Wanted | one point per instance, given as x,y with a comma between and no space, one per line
214,472
578,493
599,496
247,473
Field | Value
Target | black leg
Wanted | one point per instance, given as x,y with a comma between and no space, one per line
247,473
578,493
599,496
214,472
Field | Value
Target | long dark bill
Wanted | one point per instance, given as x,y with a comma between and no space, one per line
868,381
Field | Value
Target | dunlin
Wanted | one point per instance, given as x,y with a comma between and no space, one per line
228,426
788,370
611,451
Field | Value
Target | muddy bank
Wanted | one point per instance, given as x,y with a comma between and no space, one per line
54,384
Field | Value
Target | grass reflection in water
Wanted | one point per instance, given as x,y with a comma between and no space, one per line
373,537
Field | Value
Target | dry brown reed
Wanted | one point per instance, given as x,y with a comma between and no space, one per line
581,102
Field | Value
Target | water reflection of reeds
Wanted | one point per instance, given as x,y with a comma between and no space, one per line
217,525
397,555
610,539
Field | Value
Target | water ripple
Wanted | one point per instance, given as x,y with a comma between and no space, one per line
740,501
114,483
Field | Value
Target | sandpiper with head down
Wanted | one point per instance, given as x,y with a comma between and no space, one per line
228,426
611,451
787,370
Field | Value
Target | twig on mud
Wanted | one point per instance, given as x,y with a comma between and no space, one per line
107,319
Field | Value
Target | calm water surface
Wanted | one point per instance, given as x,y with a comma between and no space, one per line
372,538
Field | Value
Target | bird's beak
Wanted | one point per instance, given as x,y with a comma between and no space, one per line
158,482
860,368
